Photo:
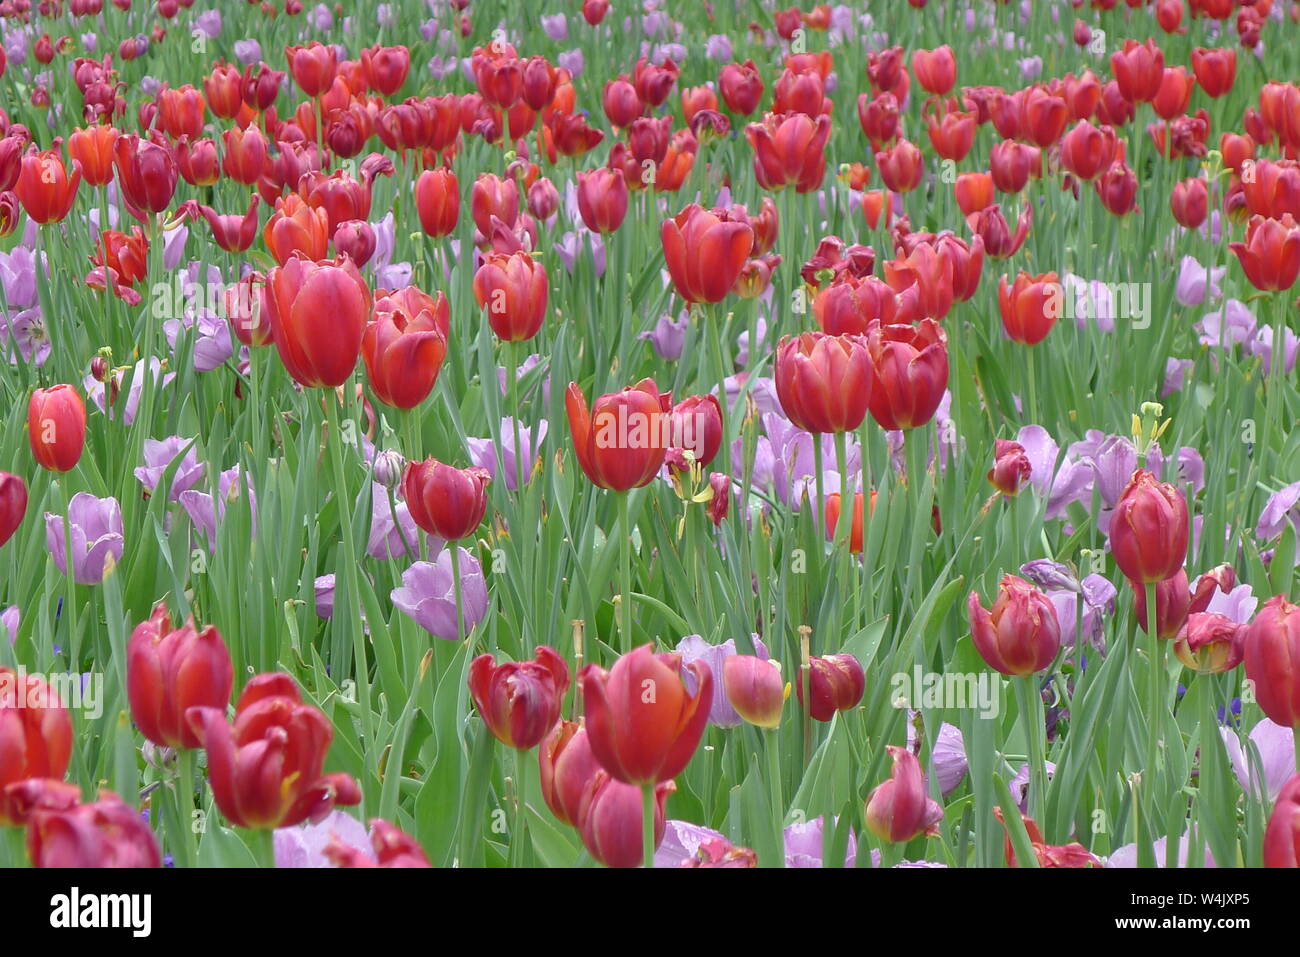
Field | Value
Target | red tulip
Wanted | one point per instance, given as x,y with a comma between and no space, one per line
1189,202
705,252
92,147
966,260
566,765
35,737
642,723
1011,468
951,134
1175,93
493,196
296,229
1030,307
973,191
899,809
833,504
1043,116
56,427
261,88
44,187
926,281
13,505
698,99
393,847
622,105
224,89
900,166
266,768
602,199
197,162
232,233
386,67
847,306
755,688
1273,189
514,290
695,424
609,820
800,93
789,149
1117,189
879,118
437,200
936,70
835,682
1138,69
1087,150
23,799
1282,836
146,172
823,382
620,443
908,373
1216,70
1270,256
520,701
246,155
720,503
741,86
317,312
593,11
313,67
404,345
107,833
170,670
181,112
1149,530
1272,655
447,502
1173,602
1020,635
543,199
1210,644
128,256
653,82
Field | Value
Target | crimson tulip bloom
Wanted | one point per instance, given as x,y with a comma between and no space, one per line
879,118
1282,836
318,314
848,305
232,233
262,87
973,192
1274,189
1030,307
602,199
1138,70
566,765
1216,70
1117,189
437,201
56,427
823,382
514,289
900,166
246,155
146,172
951,134
1011,468
197,162
92,147
1043,116
705,252
741,86
789,148
1270,256
44,187
1190,201
128,256
20,801
908,373
1173,602
1175,93
642,723
899,809
520,701
107,833
13,505
404,346
35,736
296,229
386,68
447,502
621,103
653,82
170,670
181,112
1020,635
393,848
266,768
621,441
936,70
1087,150
1272,655
1149,529
313,67
835,683
609,820
224,89
493,196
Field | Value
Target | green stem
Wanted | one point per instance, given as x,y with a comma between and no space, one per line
1155,706
261,842
625,570
648,824
772,742
512,380
454,547
185,808
1031,705
1032,407
719,357
13,847
519,834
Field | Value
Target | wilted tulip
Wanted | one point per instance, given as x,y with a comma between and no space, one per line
1210,644
899,809
835,683
1020,635
520,701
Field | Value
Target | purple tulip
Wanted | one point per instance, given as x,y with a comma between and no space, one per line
668,337
1190,287
248,52
556,26
159,455
695,648
803,845
205,513
18,277
1261,346
685,844
26,331
1127,856
484,453
1176,371
573,61
213,344
209,23
125,407
391,538
718,47
9,622
96,533
949,755
762,390
427,594
1019,786
304,845
1280,509
1268,764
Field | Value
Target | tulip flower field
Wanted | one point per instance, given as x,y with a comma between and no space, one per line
649,433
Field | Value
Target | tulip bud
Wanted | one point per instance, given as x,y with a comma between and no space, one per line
720,504
755,689
836,683
610,820
1011,468
445,501
1282,837
520,701
1020,635
565,767
1272,656
388,468
13,505
899,809
1149,529
56,425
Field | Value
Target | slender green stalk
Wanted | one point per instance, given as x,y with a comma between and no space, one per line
1031,710
512,380
1155,704
456,587
648,824
625,570
184,797
519,835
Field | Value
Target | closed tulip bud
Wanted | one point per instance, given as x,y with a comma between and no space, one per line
1149,529
514,291
878,117
833,505
246,155
755,688
1175,93
1270,256
900,166
445,501
44,187
593,11
1117,190
642,723
224,88
1030,306
899,809
386,68
936,70
93,149
56,426
823,382
720,504
908,373
741,86
313,67
1020,635
146,172
35,735
622,105
602,199
1210,644
755,277
1011,468
705,252
181,112
1087,150
317,313
266,768
566,766
974,191
1173,602
695,424
437,201
1272,656
13,505
620,442
1216,70
404,345
1190,202
835,682
170,670
197,162
107,833
1138,70
1282,836
520,701
609,820
543,199
790,149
